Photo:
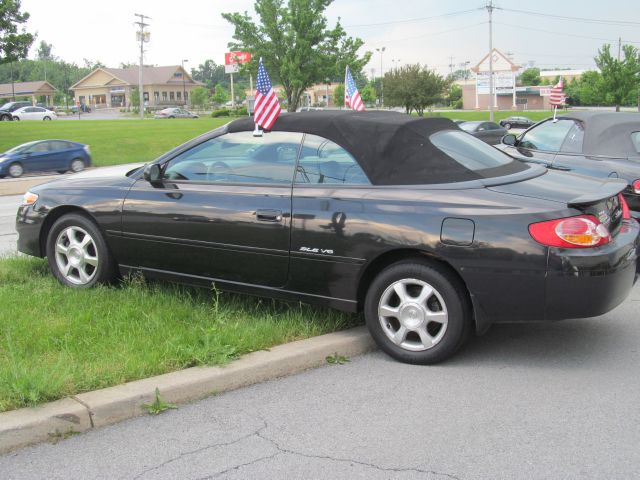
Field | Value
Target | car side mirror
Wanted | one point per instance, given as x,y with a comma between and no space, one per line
152,174
510,139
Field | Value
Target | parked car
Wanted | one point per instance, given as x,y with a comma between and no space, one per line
428,230
34,113
488,132
516,122
174,112
598,144
45,155
83,108
6,110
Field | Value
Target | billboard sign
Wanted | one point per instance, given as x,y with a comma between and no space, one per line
502,82
231,58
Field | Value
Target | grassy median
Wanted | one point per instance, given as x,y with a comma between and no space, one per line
56,341
113,142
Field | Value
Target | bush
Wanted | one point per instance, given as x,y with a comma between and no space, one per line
241,112
220,113
458,104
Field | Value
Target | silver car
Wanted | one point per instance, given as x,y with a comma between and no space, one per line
174,112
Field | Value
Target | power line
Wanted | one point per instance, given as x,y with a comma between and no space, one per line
555,32
413,20
620,23
435,33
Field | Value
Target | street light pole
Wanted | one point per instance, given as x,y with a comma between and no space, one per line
381,50
143,38
184,88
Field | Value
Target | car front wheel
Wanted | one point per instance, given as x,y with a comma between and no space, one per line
16,170
507,126
46,118
77,253
417,312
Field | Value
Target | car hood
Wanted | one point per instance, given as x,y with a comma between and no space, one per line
562,187
95,177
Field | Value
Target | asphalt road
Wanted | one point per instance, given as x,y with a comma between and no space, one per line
535,401
8,235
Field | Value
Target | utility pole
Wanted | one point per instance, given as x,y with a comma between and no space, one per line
142,37
619,47
451,65
490,10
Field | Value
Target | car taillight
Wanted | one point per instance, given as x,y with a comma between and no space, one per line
626,215
584,231
636,186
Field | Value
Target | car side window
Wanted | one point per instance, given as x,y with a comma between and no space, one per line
547,136
635,139
323,161
573,142
39,147
58,145
238,158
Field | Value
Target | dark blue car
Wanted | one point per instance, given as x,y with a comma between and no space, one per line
45,155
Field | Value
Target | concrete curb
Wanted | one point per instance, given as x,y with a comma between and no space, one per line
27,426
21,185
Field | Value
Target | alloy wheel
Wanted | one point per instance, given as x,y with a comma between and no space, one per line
76,255
15,170
413,314
77,166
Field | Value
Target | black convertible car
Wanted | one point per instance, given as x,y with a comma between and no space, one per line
428,230
598,144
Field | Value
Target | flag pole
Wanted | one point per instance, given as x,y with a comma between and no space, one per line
256,131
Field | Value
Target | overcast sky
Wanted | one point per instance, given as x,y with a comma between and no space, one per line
194,30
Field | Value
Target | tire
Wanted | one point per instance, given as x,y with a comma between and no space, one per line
507,126
76,165
46,118
62,171
5,118
77,254
16,170
427,330
16,119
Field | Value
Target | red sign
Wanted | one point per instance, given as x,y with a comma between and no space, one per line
236,57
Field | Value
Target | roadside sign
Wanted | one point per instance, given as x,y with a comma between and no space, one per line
232,68
545,92
231,58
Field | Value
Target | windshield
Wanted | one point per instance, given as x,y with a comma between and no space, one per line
20,148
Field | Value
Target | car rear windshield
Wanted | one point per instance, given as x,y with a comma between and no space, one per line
468,126
475,155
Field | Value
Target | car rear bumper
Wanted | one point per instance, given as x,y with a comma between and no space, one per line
589,282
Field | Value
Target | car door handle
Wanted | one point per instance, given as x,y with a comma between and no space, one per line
269,215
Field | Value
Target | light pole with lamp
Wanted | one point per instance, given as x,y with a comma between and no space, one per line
184,88
381,50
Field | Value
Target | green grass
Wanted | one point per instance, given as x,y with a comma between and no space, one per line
113,142
57,341
535,115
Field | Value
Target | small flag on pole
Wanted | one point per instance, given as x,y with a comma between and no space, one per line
557,94
351,95
557,97
267,108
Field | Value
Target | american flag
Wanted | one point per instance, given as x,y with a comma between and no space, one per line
557,95
351,95
266,108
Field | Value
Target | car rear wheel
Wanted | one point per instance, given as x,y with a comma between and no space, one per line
417,313
15,170
77,253
46,118
16,119
507,126
76,165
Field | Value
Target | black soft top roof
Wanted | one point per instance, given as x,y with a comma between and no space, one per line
608,133
392,148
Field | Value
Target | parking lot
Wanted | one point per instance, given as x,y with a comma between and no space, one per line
540,401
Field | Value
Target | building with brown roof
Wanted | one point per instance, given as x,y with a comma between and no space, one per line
112,87
31,90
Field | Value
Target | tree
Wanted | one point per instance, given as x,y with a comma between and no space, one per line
199,96
14,42
338,94
221,95
368,94
44,51
619,77
455,94
531,76
209,73
414,87
297,46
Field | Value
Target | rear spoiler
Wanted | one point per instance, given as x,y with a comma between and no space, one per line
608,189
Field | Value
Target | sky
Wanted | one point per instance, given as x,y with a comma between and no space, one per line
438,33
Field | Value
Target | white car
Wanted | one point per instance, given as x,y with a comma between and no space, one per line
34,113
